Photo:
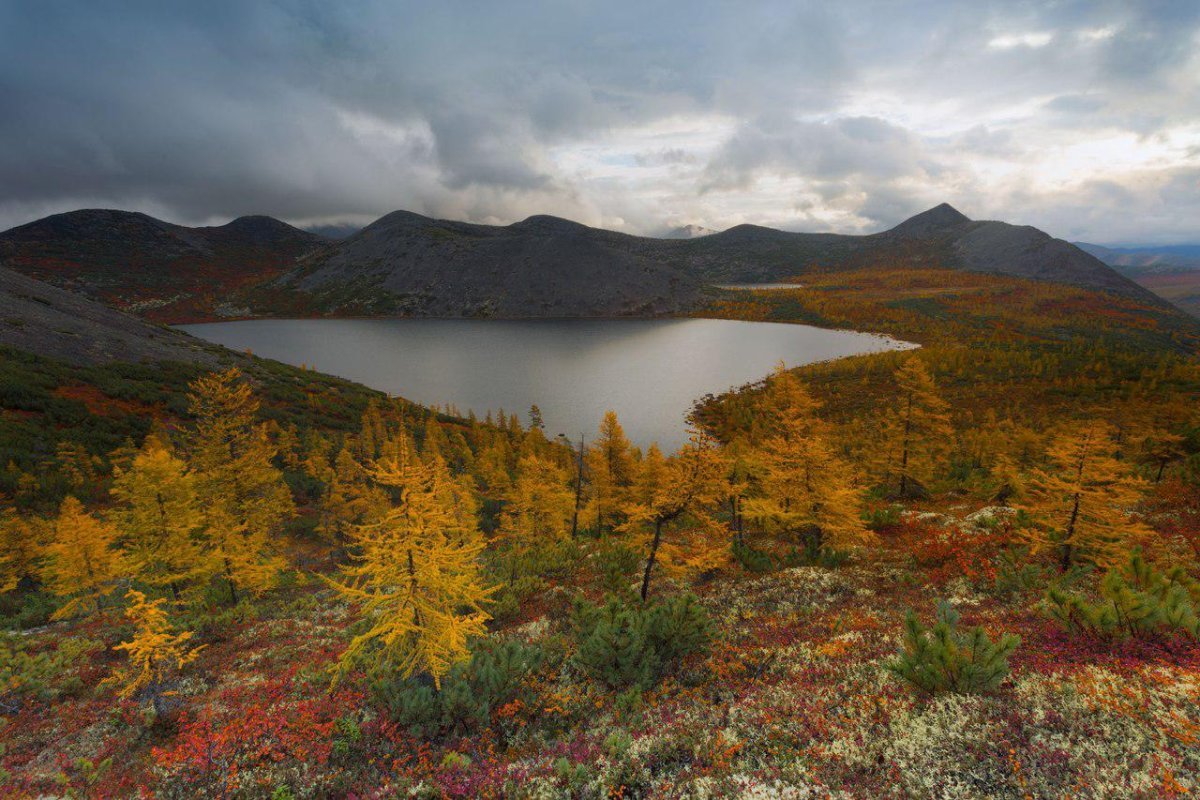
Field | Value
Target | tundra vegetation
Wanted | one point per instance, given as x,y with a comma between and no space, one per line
968,570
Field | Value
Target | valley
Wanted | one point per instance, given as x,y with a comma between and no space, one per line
768,609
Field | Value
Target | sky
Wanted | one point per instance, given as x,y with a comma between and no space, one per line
1079,117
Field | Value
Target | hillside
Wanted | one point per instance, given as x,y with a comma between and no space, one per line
941,236
49,322
411,265
764,656
1173,273
79,380
408,264
544,266
141,264
755,642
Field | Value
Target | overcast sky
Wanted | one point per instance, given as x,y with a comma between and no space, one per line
1082,118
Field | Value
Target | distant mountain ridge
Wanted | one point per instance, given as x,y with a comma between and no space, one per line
1172,272
412,265
133,261
1132,260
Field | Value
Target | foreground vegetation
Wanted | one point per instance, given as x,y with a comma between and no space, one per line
968,571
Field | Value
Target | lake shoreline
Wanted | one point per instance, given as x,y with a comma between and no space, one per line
573,368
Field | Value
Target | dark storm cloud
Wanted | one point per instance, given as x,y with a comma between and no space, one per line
637,115
825,151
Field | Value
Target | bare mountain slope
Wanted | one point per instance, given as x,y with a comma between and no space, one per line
53,323
136,262
409,264
942,235
542,267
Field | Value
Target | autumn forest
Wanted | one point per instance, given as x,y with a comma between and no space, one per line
254,580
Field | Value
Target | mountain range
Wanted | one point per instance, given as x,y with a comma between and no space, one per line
1134,260
408,264
1172,272
162,271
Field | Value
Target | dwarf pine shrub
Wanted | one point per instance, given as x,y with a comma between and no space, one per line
616,563
752,560
879,519
1015,575
45,675
1136,602
506,603
613,646
944,659
630,645
492,677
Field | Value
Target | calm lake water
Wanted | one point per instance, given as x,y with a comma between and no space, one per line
754,287
648,371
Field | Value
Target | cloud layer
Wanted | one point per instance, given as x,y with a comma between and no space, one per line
1080,117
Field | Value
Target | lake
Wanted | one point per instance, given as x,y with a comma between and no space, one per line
755,287
648,371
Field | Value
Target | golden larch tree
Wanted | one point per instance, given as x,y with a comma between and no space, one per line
611,467
19,550
537,512
808,490
492,473
671,511
415,574
158,517
347,500
1159,448
744,464
917,431
457,493
242,494
156,652
82,562
1081,500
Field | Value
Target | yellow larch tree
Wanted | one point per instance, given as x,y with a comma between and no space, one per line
434,442
670,510
156,652
537,512
415,574
742,479
317,450
650,476
19,550
1081,499
242,494
346,501
82,562
287,444
611,468
1159,448
457,493
80,470
158,517
492,473
372,432
808,490
917,431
